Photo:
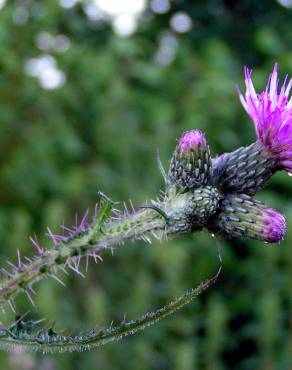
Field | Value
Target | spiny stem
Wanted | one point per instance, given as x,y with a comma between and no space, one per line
100,235
51,341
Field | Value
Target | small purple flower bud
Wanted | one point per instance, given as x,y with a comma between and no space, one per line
241,216
190,165
274,225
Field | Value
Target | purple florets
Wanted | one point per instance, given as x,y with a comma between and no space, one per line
191,140
274,225
271,112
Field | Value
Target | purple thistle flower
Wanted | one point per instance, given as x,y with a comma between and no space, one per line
274,225
271,112
190,141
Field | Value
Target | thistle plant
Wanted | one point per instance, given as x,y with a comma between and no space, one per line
200,192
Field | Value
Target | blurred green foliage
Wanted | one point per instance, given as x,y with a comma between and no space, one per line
100,131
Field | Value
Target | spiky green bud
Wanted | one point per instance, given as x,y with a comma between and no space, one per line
246,170
190,165
243,217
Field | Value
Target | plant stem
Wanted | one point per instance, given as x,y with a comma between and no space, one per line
100,235
53,342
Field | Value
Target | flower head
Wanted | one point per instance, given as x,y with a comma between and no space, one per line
271,112
190,141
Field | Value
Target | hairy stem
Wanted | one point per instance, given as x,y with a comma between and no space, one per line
102,234
51,341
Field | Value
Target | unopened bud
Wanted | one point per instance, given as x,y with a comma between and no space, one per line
243,217
190,165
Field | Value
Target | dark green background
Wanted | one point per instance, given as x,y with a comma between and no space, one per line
100,131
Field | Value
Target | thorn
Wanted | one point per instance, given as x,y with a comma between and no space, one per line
95,210
58,280
29,297
76,270
84,220
77,262
28,259
18,259
11,306
37,246
14,268
65,228
86,263
147,239
99,257
116,211
5,272
94,257
155,235
132,206
64,270
126,209
39,321
52,236
31,289
20,318
60,238
102,196
160,166
129,231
